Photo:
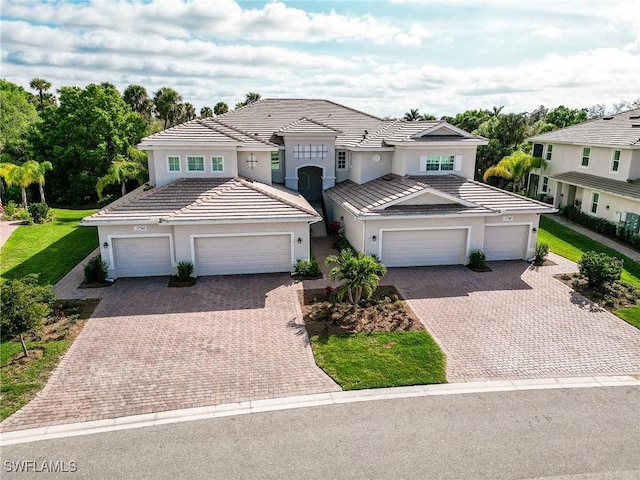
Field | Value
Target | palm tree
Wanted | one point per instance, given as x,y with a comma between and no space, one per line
41,85
514,167
412,115
206,112
360,274
167,102
20,175
496,111
427,117
136,97
119,172
251,97
221,108
41,169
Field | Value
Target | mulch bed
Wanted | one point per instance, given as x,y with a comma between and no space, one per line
174,281
384,312
480,269
95,284
614,296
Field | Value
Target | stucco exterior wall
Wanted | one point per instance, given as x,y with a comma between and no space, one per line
162,176
568,158
634,170
365,168
406,160
353,229
293,163
616,205
261,170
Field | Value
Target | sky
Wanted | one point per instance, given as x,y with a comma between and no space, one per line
382,56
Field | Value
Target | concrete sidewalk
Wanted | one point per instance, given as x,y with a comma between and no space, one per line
629,252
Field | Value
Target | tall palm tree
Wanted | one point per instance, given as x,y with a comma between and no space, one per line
360,274
20,175
41,169
206,112
221,108
252,97
41,85
496,111
514,167
136,97
427,117
167,102
119,172
412,115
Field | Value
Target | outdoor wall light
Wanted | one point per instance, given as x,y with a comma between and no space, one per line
534,229
607,207
105,244
374,238
299,240
341,218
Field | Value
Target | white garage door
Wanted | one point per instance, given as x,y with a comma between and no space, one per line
406,248
142,256
506,242
242,254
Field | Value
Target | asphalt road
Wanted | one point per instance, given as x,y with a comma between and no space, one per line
582,433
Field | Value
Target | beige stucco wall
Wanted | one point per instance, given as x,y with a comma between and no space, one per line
634,170
568,158
616,205
353,229
159,174
292,163
406,160
261,171
364,168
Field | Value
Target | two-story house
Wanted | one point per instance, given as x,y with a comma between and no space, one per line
238,194
595,166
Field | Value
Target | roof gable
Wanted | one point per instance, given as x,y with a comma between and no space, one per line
442,129
306,126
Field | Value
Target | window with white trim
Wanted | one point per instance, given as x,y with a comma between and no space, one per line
545,184
341,162
173,164
594,202
615,161
438,163
586,154
549,152
195,164
217,164
275,160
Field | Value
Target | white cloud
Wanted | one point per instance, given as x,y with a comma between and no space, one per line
549,32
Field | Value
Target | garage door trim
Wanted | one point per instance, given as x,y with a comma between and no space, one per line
192,240
111,238
458,227
509,224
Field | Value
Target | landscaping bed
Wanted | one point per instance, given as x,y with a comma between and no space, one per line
612,297
21,378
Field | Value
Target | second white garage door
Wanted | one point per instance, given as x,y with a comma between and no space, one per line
506,242
142,256
242,254
414,248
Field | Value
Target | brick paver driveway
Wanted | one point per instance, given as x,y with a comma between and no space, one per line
516,322
149,348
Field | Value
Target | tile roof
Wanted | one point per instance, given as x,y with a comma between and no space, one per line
378,197
208,200
615,187
621,130
307,125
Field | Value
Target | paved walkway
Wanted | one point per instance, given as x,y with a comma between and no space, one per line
149,348
629,252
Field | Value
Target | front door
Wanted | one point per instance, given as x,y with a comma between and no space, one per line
310,182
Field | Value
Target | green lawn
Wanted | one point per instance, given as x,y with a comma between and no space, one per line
570,244
380,359
51,249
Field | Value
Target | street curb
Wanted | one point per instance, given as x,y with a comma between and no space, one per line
287,403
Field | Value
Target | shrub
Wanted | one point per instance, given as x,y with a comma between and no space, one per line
39,212
185,269
334,228
342,243
10,209
542,250
600,269
95,271
304,268
359,273
477,260
25,304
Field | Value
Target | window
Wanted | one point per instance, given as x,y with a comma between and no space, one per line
174,164
545,184
586,153
549,152
615,162
217,164
342,160
594,202
195,164
439,163
275,161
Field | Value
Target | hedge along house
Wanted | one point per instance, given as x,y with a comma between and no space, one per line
234,194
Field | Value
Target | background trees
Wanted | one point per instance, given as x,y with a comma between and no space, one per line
17,115
221,108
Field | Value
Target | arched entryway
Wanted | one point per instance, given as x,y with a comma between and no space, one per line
310,182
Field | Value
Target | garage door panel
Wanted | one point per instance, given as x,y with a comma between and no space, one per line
506,242
243,254
142,256
403,248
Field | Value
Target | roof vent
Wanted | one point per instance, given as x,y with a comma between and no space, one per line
608,117
256,134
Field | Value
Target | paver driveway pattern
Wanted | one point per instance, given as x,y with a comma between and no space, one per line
149,348
516,322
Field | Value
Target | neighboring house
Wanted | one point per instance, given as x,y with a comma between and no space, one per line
595,166
238,193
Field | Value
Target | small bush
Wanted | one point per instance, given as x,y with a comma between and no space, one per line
542,250
185,269
304,268
342,243
95,271
10,209
600,269
477,260
39,212
334,228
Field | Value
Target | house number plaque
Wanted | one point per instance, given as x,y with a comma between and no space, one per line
140,228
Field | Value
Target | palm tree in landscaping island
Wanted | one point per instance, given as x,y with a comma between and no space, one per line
359,273
515,167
